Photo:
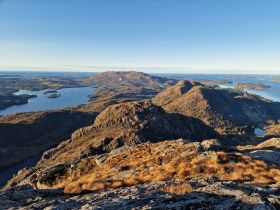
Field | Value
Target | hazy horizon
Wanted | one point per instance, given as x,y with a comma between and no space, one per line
148,71
192,36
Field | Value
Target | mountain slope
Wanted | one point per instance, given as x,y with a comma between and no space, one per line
120,125
174,92
228,111
28,134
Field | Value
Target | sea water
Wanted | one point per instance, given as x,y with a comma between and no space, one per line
69,97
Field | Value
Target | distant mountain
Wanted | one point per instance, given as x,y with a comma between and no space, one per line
119,87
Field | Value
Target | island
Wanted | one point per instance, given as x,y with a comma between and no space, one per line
55,95
11,84
8,100
275,79
251,86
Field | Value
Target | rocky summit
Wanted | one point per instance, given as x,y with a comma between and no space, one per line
181,146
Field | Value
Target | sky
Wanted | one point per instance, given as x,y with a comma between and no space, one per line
184,36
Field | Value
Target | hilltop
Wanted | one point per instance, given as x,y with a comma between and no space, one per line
119,87
228,111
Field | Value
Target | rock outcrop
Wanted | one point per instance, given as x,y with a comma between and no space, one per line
268,150
170,174
207,194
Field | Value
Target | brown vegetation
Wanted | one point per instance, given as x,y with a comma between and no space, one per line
178,188
174,160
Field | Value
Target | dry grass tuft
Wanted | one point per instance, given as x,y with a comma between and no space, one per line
168,161
178,188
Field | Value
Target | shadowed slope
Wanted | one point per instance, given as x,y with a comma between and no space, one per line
27,134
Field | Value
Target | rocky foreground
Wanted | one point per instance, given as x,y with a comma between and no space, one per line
171,174
191,146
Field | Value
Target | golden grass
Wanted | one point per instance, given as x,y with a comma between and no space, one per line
178,188
148,163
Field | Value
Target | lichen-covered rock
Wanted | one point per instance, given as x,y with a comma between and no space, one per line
81,132
211,144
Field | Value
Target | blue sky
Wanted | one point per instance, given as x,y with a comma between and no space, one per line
214,36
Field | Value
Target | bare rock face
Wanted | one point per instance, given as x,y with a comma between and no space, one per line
268,150
271,156
152,122
81,132
211,144
206,194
